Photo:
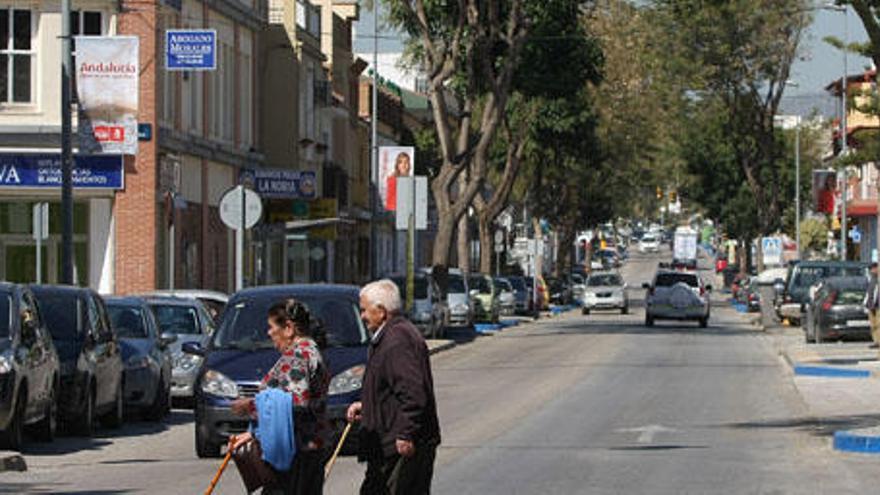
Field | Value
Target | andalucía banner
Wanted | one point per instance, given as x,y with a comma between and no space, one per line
107,91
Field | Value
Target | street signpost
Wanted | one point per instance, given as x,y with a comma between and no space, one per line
240,209
499,248
40,234
411,214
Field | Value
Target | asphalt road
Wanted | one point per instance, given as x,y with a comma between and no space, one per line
573,404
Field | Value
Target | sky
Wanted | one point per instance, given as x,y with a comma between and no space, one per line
817,66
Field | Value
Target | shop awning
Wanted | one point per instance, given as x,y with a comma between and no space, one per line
318,222
861,208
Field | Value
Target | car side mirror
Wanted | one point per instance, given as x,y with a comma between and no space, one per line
167,339
193,348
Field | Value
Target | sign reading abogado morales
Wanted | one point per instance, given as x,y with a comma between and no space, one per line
107,91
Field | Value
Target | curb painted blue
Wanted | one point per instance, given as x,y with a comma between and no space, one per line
487,327
508,323
827,371
852,441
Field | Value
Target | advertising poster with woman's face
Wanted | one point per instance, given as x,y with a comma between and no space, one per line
824,191
394,162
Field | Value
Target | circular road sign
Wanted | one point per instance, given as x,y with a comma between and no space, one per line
231,207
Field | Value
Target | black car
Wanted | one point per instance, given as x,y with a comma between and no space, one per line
240,353
837,311
146,355
91,360
29,369
560,291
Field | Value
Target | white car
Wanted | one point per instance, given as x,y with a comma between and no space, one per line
649,244
674,295
605,290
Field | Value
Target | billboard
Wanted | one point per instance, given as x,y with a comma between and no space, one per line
107,92
191,49
825,192
394,162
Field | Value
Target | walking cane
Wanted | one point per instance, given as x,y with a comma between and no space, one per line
336,452
214,481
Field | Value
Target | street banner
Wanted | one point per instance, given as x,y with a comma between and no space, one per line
394,162
824,191
191,49
107,93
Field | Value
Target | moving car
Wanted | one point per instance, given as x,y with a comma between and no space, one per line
806,273
837,310
186,320
506,296
676,295
461,309
240,352
605,290
29,369
430,310
146,355
484,297
91,359
650,243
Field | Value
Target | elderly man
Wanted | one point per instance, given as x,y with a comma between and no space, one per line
398,414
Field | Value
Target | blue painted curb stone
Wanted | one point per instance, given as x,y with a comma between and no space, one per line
508,323
826,371
866,441
487,327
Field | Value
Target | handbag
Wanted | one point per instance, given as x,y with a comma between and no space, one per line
255,472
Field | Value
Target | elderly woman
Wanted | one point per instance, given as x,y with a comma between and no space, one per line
300,371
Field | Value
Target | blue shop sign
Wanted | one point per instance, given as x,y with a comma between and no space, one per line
281,183
191,49
21,170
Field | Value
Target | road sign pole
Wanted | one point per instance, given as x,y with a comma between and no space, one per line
239,245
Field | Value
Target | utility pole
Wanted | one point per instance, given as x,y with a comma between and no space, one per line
374,151
66,150
844,232
797,186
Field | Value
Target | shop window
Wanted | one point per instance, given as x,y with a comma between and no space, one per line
16,56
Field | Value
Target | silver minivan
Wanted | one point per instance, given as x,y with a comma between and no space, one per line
430,311
461,308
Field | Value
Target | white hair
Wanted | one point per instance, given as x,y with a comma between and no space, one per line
383,293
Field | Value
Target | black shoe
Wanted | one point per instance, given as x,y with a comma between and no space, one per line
874,346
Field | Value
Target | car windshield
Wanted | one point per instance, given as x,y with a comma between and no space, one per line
128,321
503,285
604,280
420,283
670,279
456,284
577,279
480,284
245,323
62,314
649,238
5,315
805,276
172,318
851,297
518,283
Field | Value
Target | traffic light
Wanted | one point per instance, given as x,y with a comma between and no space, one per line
659,193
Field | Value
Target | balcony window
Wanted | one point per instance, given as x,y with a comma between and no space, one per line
16,56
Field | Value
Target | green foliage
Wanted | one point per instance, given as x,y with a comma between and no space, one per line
814,234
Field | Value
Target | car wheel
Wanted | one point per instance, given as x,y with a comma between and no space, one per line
157,409
624,310
114,418
204,447
704,322
13,437
649,321
47,427
585,311
86,424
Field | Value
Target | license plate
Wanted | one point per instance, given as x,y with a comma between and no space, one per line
858,323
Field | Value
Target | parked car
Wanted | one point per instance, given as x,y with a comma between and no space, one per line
483,297
506,296
676,295
29,369
187,320
91,359
461,309
523,293
836,311
804,274
605,290
578,287
649,243
430,310
214,301
145,354
560,292
240,352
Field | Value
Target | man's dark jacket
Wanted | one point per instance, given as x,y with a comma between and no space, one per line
398,392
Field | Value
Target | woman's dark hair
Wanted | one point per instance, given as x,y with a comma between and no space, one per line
293,311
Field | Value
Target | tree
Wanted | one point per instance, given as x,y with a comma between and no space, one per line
744,50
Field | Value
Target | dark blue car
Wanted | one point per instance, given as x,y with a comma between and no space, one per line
146,355
240,353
